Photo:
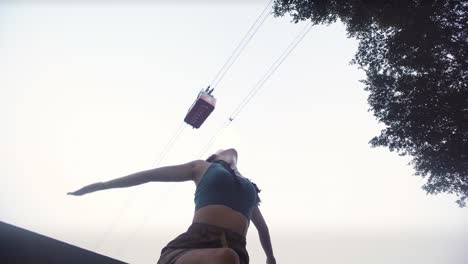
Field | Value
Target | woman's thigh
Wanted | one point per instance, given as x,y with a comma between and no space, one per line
209,256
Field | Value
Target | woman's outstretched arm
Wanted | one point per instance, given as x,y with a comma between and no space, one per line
177,173
264,234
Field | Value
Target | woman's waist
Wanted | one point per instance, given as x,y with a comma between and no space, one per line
222,216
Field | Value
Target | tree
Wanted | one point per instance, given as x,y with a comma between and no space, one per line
414,54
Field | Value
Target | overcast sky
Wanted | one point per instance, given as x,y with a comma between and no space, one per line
93,92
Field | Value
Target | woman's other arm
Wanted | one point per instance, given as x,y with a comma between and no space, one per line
264,234
176,173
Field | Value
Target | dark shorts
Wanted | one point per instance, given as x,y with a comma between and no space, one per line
200,236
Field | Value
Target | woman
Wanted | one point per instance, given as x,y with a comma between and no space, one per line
225,202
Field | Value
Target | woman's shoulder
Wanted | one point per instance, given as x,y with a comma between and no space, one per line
199,168
197,164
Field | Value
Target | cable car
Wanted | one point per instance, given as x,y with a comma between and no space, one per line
201,108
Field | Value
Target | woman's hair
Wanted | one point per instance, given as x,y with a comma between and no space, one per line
213,158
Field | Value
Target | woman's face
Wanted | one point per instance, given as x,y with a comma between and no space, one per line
228,155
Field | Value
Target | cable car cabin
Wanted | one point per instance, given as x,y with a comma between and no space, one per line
200,109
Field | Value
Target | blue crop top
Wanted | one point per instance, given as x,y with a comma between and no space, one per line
218,186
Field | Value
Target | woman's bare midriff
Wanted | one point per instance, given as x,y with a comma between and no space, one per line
223,216
219,215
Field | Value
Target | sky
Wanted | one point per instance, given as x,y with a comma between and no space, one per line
92,92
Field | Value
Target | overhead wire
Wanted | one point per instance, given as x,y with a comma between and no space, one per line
254,90
241,46
210,142
271,71
170,143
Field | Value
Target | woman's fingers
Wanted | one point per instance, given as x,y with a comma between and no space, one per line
74,193
87,189
78,192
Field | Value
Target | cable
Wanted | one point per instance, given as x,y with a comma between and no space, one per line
170,143
242,44
271,71
258,85
212,139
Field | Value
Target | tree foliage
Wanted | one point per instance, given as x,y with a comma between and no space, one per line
414,54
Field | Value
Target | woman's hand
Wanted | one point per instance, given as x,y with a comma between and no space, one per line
88,189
